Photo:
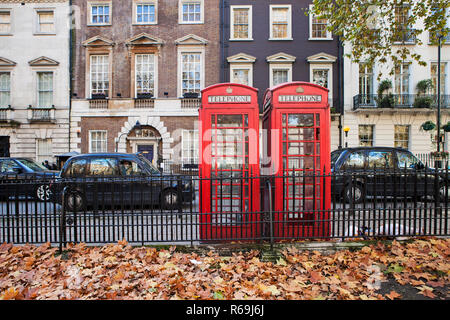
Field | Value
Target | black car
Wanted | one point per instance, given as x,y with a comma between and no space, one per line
24,177
118,180
382,172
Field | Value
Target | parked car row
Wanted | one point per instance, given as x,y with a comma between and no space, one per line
114,179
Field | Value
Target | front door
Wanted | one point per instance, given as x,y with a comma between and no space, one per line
4,146
147,151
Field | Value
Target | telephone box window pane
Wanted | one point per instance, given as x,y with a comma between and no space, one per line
229,120
304,120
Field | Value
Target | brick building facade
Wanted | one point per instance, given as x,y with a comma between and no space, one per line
142,62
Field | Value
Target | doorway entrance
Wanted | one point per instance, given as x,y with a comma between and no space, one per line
148,151
4,146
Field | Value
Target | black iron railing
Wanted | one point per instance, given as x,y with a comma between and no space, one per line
171,208
399,101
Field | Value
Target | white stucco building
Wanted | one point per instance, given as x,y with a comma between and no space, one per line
398,124
34,78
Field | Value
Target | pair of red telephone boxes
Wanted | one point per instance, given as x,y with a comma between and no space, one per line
295,162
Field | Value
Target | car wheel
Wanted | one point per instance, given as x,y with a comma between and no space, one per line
169,199
43,192
75,201
353,193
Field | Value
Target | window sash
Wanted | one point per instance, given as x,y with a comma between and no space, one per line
189,152
191,72
402,77
99,74
98,141
45,89
401,136
365,134
321,77
100,14
43,150
434,77
145,13
46,21
241,76
280,23
319,28
280,76
191,11
5,22
5,89
241,23
365,80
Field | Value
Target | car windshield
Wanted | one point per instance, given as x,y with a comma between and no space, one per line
32,165
152,168
334,156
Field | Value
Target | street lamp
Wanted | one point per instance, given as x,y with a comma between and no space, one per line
346,130
136,127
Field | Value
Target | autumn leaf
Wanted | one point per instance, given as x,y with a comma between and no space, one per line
427,292
9,294
315,276
218,295
393,295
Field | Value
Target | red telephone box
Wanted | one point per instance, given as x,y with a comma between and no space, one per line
297,123
229,159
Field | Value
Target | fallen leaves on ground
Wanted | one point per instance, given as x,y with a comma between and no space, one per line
119,271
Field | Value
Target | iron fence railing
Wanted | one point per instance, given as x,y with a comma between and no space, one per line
183,209
401,101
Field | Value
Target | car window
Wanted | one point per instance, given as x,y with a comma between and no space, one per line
380,159
103,167
32,165
130,168
334,156
7,166
406,160
150,166
355,160
76,168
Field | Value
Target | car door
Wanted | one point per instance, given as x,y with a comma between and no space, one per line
102,187
350,176
413,174
12,175
138,188
381,178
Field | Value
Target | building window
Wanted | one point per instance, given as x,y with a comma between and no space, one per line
45,21
5,22
145,12
321,77
241,76
365,134
191,72
318,28
190,146
43,150
241,23
191,11
366,83
145,74
401,136
402,79
99,74
434,77
280,76
5,89
100,14
45,89
280,23
98,141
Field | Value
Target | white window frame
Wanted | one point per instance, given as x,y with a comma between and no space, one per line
289,22
408,132
41,157
8,91
190,49
250,23
402,74
38,30
311,37
109,73
242,66
193,136
38,90
89,13
373,133
329,67
445,85
10,31
180,11
279,66
105,141
136,3
155,73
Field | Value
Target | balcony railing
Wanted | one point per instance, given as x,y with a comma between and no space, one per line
144,103
399,101
41,114
98,104
190,103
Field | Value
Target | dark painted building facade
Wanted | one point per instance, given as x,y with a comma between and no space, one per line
264,43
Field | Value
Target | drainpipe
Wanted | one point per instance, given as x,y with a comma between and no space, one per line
222,41
340,88
70,68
